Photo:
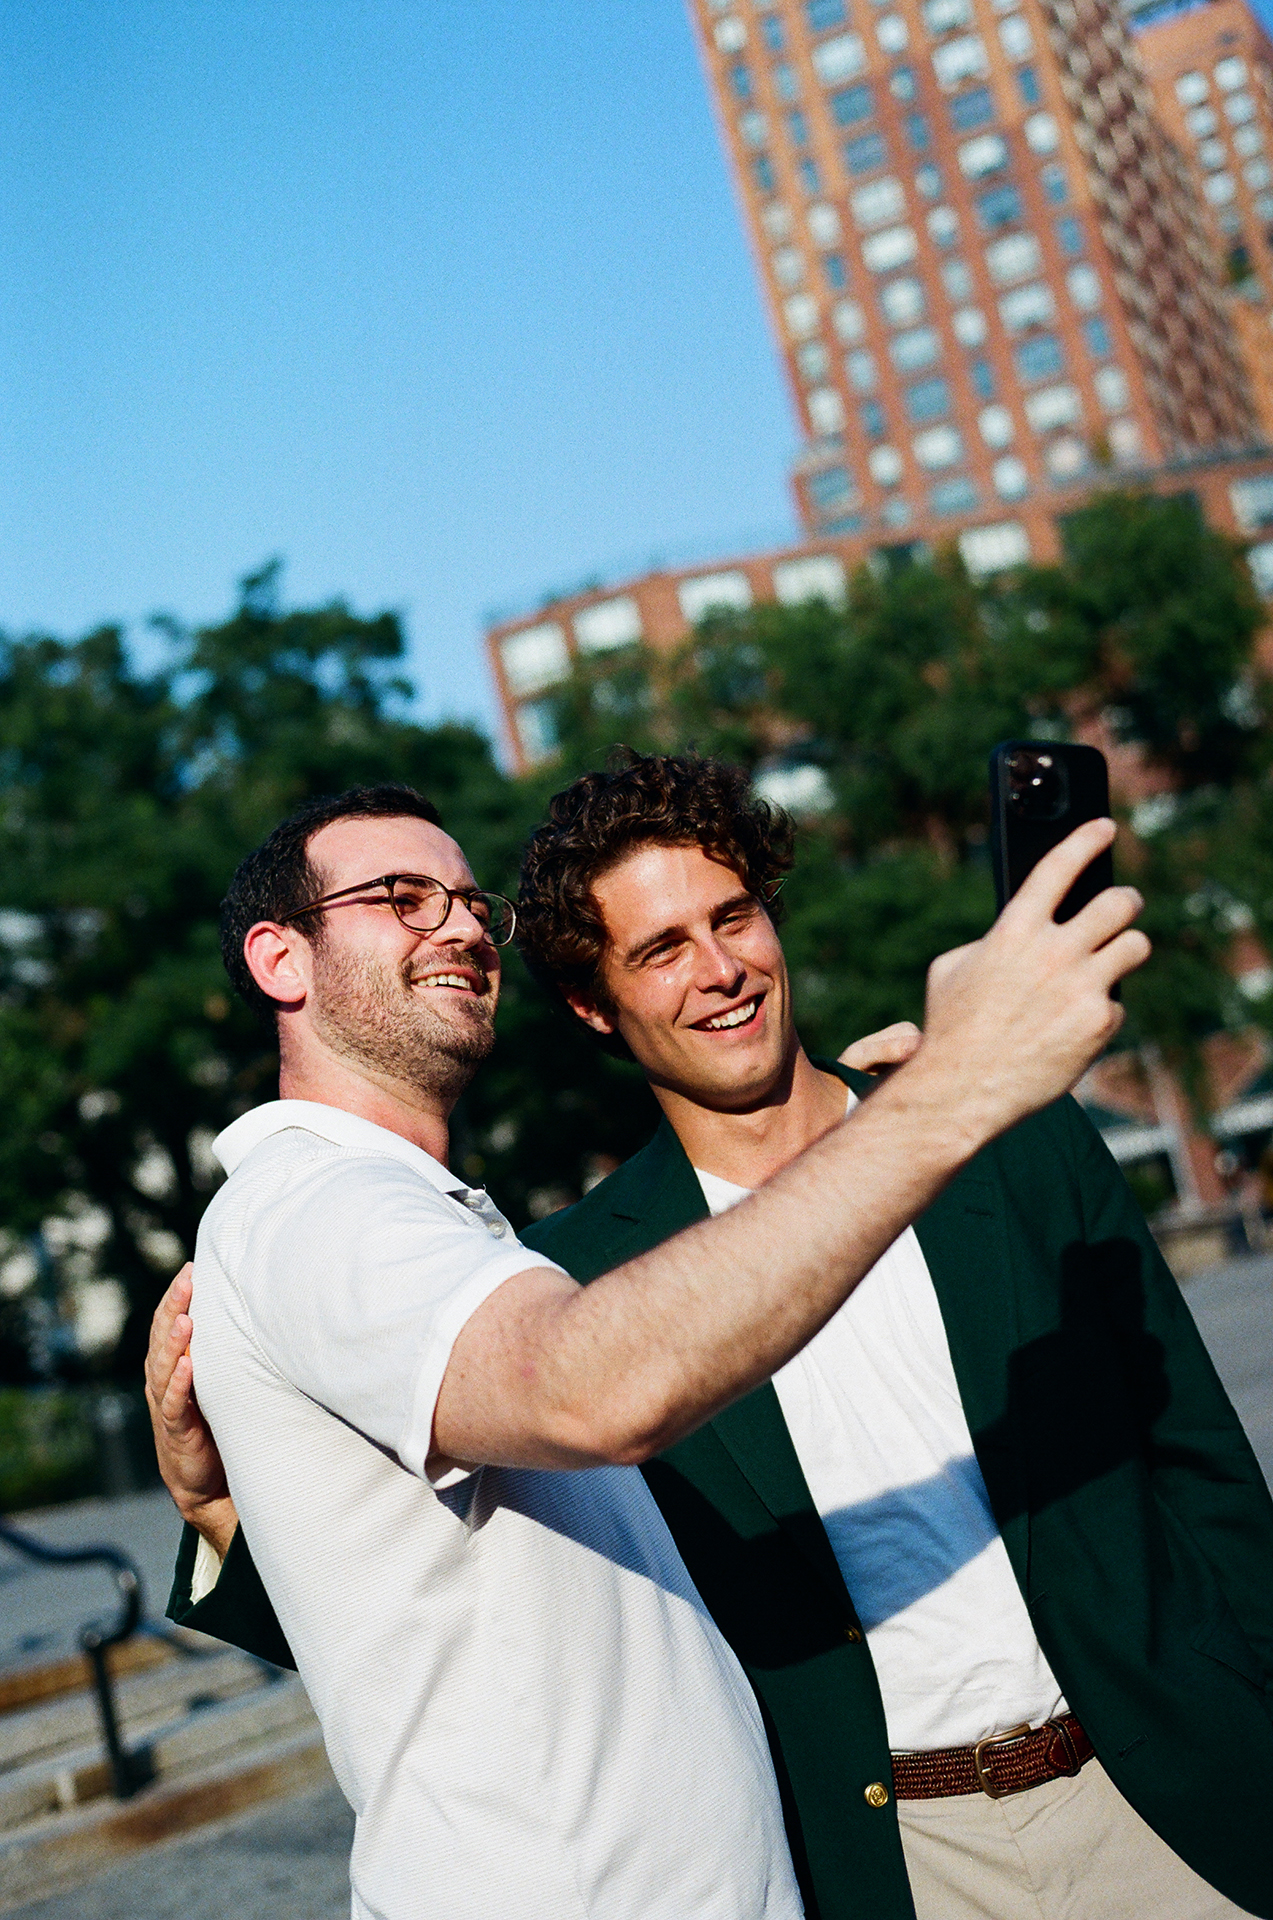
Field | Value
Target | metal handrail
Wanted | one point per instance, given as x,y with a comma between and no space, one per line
129,1771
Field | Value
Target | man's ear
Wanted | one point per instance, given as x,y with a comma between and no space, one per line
588,1011
277,959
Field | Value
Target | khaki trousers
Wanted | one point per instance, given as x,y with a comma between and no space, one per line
1069,1850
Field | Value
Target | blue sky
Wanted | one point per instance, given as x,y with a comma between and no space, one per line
445,301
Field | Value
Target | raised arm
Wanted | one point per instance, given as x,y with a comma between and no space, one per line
545,1374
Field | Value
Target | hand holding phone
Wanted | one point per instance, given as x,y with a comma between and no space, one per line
1040,790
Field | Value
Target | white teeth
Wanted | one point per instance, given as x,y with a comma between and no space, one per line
448,980
738,1018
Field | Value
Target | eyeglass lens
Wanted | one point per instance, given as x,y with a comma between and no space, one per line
422,905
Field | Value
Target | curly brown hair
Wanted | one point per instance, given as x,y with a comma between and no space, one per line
665,799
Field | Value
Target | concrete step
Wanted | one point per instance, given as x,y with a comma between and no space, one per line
57,1850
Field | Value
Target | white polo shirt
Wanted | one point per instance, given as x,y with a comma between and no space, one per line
522,1695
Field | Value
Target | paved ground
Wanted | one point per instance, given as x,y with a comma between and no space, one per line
288,1862
42,1608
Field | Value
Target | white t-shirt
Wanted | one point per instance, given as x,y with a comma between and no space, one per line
879,1429
522,1695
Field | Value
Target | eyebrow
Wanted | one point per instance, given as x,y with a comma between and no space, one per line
659,939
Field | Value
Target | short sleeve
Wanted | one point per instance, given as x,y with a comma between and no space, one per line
357,1280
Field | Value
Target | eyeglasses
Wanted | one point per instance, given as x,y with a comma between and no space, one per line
423,905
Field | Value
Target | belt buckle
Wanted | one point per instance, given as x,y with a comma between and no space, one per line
1066,1738
978,1762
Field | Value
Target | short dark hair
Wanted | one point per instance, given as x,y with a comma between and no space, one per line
664,799
278,877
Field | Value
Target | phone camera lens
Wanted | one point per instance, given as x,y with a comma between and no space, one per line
1037,786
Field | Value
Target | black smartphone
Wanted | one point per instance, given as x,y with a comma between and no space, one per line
1040,790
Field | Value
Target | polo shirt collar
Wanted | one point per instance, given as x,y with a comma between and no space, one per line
237,1141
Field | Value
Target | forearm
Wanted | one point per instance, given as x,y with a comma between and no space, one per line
619,1370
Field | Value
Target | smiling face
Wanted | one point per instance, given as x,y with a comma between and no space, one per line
694,978
413,1006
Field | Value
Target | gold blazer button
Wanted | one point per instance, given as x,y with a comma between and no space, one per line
876,1795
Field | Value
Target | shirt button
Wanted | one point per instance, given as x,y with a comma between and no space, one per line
853,1635
496,1227
876,1795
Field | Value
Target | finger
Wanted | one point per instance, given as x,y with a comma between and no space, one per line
1043,889
160,1365
176,1299
1121,956
178,1407
945,963
1113,909
889,1047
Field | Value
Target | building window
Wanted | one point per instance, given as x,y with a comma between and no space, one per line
608,624
776,220
840,59
1191,88
848,320
740,79
1212,153
938,447
1056,187
826,410
801,314
788,266
1012,482
882,200
1053,407
1256,174
943,16
537,729
985,154
928,400
786,85
928,183
1069,233
885,466
1042,135
983,379
852,104
1085,287
911,351
763,172
918,132
824,225
902,302
861,369
1015,37
1038,359
960,60
1028,86
902,83
1111,388
730,35
895,247
1230,73
997,428
891,32
771,32
822,14
797,128
865,153
998,208
535,658
972,110
1099,344
1248,140
956,279
754,128
874,425
991,549
954,496
969,326
814,362
1201,121
1031,306
1017,256
943,226
830,489
835,272
810,178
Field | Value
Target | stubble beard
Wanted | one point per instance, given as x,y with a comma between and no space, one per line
370,1015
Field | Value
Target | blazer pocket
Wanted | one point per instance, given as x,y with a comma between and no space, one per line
1221,1638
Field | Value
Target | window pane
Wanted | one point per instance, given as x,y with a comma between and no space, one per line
938,447
754,128
1028,86
852,104
928,400
983,379
918,132
956,279
885,465
835,271
772,33
985,154
830,488
1039,359
911,351
1056,187
873,423
943,16
895,247
1015,37
848,320
902,84
996,425
865,153
969,326
1099,344
959,60
1191,88
861,370
786,85
928,182
954,496
882,200
998,208
972,110
810,178
740,79
1016,257
1030,306
840,59
798,128
1070,234
902,302
892,34
762,170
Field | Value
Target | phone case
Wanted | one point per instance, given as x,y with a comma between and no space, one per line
1040,790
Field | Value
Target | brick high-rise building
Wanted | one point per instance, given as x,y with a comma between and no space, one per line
1211,73
985,263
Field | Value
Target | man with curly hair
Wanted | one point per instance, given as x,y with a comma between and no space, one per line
648,911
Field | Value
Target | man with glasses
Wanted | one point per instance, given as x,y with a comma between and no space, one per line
430,1431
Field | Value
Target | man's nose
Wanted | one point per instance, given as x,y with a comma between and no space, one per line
717,966
462,928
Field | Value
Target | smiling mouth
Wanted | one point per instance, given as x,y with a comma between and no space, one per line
463,981
736,1017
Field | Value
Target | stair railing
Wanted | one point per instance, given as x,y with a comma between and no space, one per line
129,1771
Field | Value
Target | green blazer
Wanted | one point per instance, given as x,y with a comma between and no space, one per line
1134,1514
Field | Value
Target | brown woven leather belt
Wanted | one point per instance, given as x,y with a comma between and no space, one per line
1004,1763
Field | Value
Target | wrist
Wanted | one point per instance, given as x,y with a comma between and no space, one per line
215,1521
